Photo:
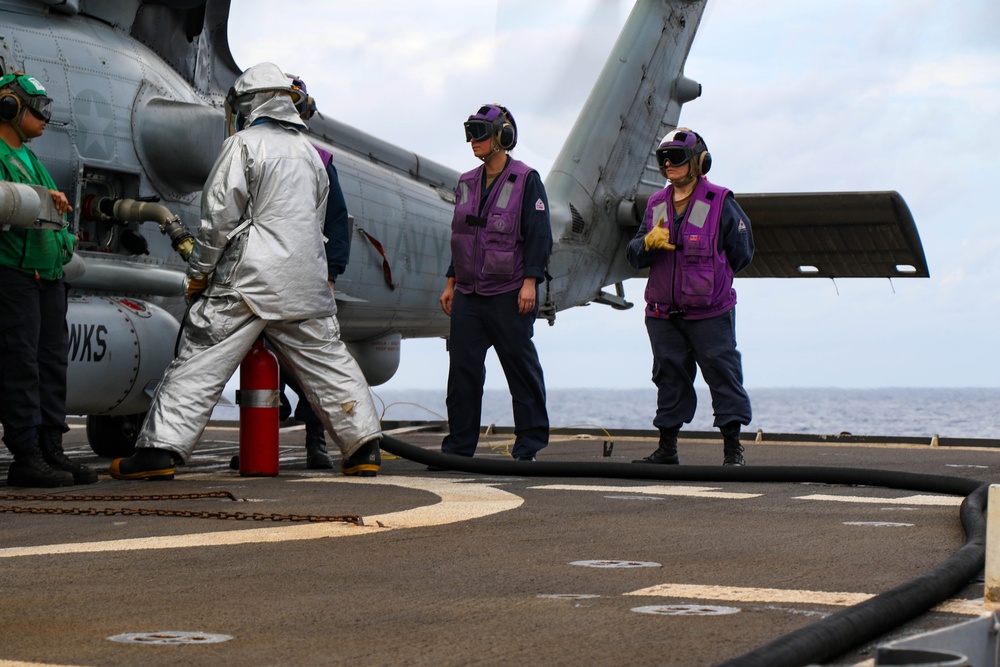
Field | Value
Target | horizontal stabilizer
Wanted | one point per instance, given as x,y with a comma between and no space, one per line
833,235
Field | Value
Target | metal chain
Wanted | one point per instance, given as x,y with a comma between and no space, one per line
166,496
194,514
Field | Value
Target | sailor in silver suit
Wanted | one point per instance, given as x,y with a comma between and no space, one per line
259,267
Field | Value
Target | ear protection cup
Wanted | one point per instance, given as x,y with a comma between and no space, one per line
10,106
704,158
704,162
508,133
507,136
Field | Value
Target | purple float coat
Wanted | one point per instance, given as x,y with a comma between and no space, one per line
695,279
486,249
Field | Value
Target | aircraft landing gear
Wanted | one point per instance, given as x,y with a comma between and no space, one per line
113,437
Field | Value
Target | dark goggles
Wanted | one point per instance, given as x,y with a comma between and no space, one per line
675,157
39,105
478,130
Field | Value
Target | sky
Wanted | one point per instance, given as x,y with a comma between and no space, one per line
824,96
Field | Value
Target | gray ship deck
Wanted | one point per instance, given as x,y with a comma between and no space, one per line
454,568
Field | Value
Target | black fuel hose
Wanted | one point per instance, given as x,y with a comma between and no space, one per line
836,634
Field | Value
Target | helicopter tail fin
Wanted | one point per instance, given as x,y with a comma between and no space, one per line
607,159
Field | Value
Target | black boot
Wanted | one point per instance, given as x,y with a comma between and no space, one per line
732,450
29,468
147,463
365,462
50,444
317,457
666,453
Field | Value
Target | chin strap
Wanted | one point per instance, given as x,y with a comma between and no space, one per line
682,182
16,124
495,145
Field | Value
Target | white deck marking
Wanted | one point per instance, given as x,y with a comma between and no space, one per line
879,524
459,501
782,595
659,490
936,501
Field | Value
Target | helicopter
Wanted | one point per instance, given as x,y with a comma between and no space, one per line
137,122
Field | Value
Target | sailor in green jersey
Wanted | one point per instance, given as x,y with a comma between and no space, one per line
33,333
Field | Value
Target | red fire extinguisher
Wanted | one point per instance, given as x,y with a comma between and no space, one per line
259,399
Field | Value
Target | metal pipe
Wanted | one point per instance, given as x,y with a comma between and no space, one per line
133,210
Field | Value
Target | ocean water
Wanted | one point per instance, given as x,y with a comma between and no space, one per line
951,413
955,413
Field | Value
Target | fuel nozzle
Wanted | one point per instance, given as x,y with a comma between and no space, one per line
180,238
134,210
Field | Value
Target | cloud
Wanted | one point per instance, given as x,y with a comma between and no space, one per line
829,95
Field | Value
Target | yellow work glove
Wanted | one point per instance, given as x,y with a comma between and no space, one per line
195,285
658,238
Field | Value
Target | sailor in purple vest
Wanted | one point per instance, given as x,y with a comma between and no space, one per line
694,239
501,240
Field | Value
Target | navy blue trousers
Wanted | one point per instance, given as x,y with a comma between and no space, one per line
478,323
33,346
303,410
286,378
678,345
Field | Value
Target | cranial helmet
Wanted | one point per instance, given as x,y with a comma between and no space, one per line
492,120
681,146
257,87
306,105
20,92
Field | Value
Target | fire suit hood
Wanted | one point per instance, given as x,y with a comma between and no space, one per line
268,93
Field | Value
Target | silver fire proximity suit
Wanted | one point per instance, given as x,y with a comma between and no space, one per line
261,244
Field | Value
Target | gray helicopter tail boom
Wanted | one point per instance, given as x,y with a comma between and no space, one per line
607,159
